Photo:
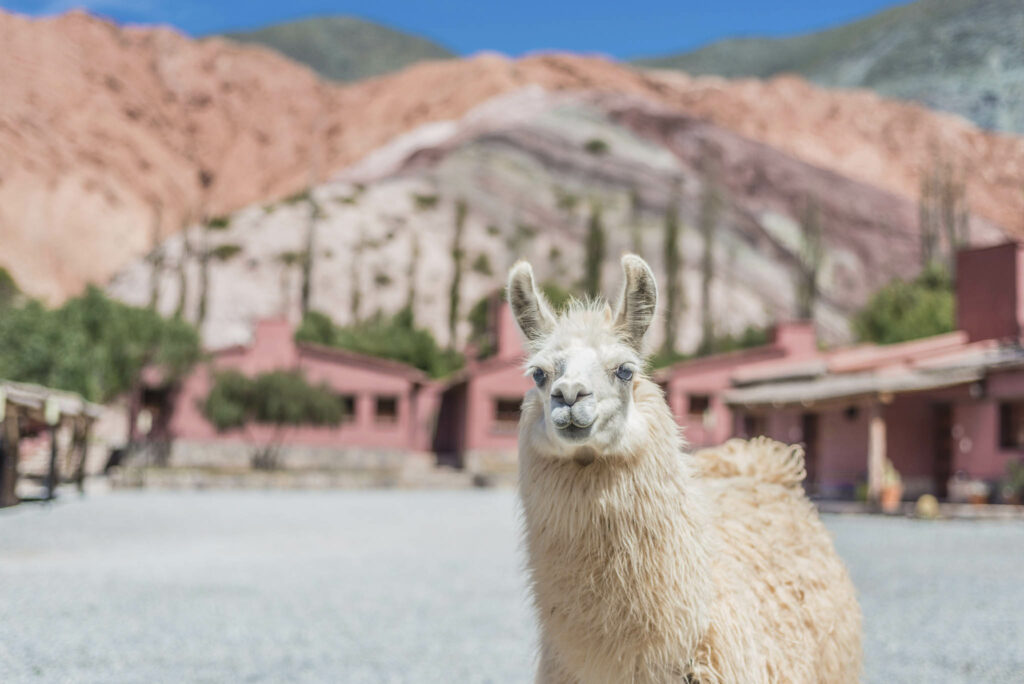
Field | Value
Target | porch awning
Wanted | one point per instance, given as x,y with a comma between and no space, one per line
35,397
848,386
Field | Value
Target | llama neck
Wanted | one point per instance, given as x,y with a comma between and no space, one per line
618,549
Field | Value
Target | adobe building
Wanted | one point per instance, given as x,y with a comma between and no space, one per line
941,407
389,408
477,425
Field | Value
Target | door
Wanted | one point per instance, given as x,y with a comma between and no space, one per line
943,466
809,425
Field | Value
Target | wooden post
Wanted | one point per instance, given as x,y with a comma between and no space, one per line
82,443
51,475
9,438
876,451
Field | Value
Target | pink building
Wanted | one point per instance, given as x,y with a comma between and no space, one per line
695,388
479,413
947,405
389,407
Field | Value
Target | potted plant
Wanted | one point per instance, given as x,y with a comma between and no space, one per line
892,488
1012,486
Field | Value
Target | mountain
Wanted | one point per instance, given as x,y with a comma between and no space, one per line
530,167
952,55
106,131
344,48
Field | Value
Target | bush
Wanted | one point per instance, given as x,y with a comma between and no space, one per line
219,223
903,311
279,398
391,337
8,288
482,265
424,201
596,147
225,252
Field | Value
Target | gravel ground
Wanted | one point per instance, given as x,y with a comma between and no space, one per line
411,587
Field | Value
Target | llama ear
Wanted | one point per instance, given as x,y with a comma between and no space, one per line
639,298
528,305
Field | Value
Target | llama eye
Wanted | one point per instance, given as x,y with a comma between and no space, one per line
539,376
624,373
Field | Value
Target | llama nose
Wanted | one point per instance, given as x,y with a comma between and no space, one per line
569,392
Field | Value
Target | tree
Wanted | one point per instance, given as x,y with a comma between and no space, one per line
812,255
942,212
904,310
205,181
410,275
675,294
458,256
155,257
392,337
92,345
595,252
309,252
635,227
9,289
710,208
279,398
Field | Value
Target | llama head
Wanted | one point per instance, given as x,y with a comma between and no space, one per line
585,362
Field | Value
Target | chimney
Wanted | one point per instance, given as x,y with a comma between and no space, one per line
273,346
796,338
990,292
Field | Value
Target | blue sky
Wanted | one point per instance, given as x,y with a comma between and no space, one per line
621,29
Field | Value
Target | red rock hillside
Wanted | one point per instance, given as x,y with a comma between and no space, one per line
104,132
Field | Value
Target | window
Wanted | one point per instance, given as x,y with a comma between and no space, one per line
507,410
348,407
387,410
698,404
1011,425
753,425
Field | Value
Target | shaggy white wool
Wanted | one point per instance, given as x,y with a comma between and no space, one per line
651,565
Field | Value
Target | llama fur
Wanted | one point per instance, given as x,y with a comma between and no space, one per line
648,564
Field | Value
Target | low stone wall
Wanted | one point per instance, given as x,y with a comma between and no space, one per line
238,456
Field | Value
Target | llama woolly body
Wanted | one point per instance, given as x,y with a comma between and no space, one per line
648,564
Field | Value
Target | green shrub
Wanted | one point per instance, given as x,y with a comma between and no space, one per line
225,252
392,337
482,265
903,310
219,223
277,398
8,288
424,201
596,147
302,196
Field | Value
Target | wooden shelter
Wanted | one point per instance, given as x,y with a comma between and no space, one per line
30,409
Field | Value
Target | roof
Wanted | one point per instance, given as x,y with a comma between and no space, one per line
970,364
377,363
36,396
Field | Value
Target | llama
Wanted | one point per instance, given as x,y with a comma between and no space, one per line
647,564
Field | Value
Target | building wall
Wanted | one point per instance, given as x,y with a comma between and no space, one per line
977,451
842,449
483,430
274,349
990,292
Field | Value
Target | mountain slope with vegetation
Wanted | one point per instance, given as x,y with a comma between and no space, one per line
344,48
956,56
114,139
426,228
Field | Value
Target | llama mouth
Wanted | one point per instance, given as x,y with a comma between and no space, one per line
575,432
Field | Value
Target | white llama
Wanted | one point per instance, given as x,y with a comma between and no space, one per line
648,564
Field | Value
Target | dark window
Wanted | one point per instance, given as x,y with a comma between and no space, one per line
387,409
753,426
698,404
851,413
348,407
1011,425
507,410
